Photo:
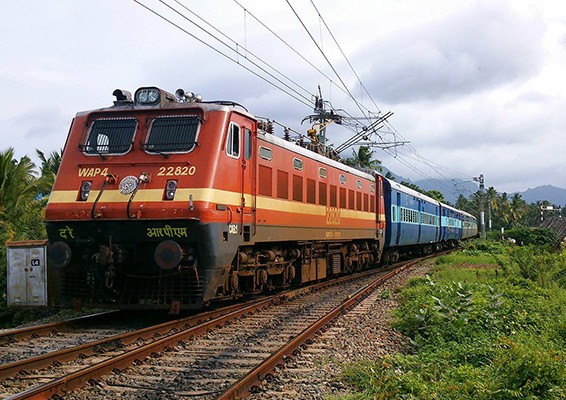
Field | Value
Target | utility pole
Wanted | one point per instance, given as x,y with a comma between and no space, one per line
321,118
482,206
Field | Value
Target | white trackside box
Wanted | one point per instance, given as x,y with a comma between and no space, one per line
27,273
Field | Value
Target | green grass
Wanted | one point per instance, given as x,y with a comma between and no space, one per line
477,333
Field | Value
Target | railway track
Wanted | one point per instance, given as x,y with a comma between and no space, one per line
25,343
222,354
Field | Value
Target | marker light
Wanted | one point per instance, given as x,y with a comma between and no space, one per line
85,190
170,189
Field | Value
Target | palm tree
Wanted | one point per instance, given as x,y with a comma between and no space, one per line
492,205
49,167
504,209
436,195
363,159
18,183
390,176
462,203
517,209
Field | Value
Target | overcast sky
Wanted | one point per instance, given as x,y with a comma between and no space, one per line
476,87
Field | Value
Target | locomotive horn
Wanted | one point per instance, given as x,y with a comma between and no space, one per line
183,96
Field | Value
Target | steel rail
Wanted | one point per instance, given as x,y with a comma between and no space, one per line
114,341
243,387
23,333
79,378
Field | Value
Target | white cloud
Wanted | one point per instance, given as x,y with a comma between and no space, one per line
475,85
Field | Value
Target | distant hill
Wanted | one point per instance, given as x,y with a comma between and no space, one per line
453,188
553,194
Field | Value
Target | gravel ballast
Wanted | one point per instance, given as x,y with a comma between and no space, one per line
361,334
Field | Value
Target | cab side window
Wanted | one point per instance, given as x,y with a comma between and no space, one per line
233,142
247,143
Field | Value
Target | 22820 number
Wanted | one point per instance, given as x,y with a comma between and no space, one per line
177,171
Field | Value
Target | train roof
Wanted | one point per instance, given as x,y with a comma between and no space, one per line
148,98
295,147
458,211
412,192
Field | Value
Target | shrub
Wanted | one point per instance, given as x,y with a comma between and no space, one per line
525,370
538,265
502,337
534,236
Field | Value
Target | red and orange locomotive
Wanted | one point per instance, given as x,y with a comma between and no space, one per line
167,201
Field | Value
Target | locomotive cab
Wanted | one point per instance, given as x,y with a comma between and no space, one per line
145,189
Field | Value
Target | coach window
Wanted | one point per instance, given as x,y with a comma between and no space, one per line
265,153
233,142
322,172
110,136
342,179
298,164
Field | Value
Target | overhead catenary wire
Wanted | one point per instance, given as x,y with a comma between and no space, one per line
228,38
293,49
289,91
419,157
287,85
326,58
344,55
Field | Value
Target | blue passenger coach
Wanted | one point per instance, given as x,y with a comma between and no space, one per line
451,224
413,221
469,225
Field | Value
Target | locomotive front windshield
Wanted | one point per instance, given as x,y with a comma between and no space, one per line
110,136
172,135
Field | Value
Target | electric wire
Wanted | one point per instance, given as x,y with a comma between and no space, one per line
344,55
326,58
419,157
296,96
400,157
235,43
293,49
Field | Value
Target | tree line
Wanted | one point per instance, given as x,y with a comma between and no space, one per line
503,210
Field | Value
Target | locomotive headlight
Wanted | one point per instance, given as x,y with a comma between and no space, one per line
85,190
170,189
147,95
